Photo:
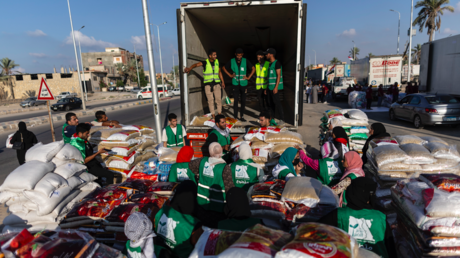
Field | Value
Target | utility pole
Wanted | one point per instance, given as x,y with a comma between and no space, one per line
174,72
82,68
137,67
148,41
354,50
410,41
76,57
399,26
159,46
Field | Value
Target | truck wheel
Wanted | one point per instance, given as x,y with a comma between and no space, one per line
418,122
140,97
392,115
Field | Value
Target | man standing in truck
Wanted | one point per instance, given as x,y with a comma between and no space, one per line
275,84
212,79
262,68
221,135
239,70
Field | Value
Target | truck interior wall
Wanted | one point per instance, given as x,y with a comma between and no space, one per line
424,57
252,28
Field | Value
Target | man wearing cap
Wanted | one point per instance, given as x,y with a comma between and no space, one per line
275,84
212,79
262,80
238,68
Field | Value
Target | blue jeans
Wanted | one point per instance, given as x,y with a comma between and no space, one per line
379,104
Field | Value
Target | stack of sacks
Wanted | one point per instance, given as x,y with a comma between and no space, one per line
357,99
112,205
206,120
45,188
428,211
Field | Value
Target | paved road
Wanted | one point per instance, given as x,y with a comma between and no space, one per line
25,115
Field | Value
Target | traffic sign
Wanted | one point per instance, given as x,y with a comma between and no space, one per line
44,93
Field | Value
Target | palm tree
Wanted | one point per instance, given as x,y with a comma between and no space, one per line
370,55
354,52
7,65
430,15
417,52
334,61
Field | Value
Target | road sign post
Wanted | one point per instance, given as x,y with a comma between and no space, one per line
45,94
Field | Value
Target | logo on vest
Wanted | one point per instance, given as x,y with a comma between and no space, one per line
242,172
360,229
208,170
166,228
182,174
180,136
332,167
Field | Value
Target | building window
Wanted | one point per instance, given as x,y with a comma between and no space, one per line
95,78
99,61
66,75
19,78
49,76
34,77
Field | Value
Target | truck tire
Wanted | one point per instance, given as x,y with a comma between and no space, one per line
418,122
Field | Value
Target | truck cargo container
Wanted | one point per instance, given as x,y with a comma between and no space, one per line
440,66
252,26
317,74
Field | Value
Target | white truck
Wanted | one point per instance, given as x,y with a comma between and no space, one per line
378,70
340,86
440,66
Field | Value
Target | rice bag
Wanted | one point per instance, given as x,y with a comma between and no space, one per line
417,153
123,135
441,165
128,159
278,149
359,129
283,137
406,139
359,136
213,242
443,151
44,152
272,129
399,166
26,176
383,141
200,120
167,154
441,204
302,190
319,240
446,182
431,139
253,134
145,143
140,128
103,134
238,141
111,144
122,151
389,154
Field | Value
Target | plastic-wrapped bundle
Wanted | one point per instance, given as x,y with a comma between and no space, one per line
357,99
143,129
383,141
302,190
213,242
266,207
200,120
399,166
103,134
146,198
277,150
283,137
357,114
441,204
442,151
406,139
238,141
354,122
359,129
418,154
334,113
389,154
359,136
123,135
167,154
431,139
446,182
441,165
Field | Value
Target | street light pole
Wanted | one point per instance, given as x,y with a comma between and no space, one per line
159,46
315,57
174,72
410,41
76,57
153,83
82,68
137,68
354,50
399,26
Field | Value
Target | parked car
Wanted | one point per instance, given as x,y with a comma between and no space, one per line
427,109
120,88
65,94
146,92
135,90
32,101
112,88
67,104
176,92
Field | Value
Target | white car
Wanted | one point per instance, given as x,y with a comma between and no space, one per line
176,92
65,94
146,93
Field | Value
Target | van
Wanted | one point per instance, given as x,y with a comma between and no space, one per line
146,92
340,86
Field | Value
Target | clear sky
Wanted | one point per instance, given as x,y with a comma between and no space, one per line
36,34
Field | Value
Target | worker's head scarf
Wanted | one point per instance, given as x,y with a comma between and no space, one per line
185,154
215,150
378,128
138,226
335,122
353,160
288,157
340,134
22,128
184,200
361,193
244,151
237,206
328,150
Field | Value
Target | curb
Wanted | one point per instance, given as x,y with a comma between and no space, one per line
13,125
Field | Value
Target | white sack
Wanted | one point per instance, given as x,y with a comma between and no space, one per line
30,218
8,139
49,183
63,205
35,228
87,177
444,204
17,208
69,152
44,152
26,176
357,114
75,182
6,196
70,169
47,204
19,198
60,162
89,187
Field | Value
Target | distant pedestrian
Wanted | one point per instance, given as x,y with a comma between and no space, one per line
27,138
325,93
314,94
320,93
350,89
380,95
308,93
394,91
369,98
409,88
415,88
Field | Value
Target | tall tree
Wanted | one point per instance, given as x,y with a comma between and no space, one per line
430,15
7,65
142,79
354,52
370,55
417,52
334,61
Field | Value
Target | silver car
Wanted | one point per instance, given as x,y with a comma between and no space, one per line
427,109
32,101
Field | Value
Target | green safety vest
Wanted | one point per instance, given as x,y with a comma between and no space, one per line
282,175
262,74
79,143
222,140
272,77
175,229
65,138
243,174
209,74
174,140
330,171
133,252
240,72
366,226
211,189
273,122
181,172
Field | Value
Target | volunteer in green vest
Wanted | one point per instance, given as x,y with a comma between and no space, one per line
176,225
285,169
79,141
368,226
275,84
180,170
174,134
329,169
265,119
103,120
245,172
220,134
212,80
70,120
262,68
139,231
237,212
237,69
